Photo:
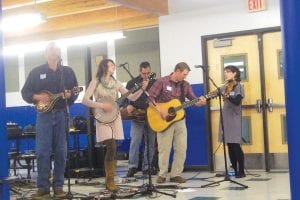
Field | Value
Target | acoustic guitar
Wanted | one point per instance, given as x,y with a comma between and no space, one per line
108,117
175,110
136,114
44,107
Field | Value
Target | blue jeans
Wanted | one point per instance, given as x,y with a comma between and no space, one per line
136,133
51,138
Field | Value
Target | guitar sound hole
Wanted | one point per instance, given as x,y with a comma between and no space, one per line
172,114
172,111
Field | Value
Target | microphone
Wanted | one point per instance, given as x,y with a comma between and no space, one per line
123,65
59,61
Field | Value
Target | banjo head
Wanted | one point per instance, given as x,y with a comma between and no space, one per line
106,117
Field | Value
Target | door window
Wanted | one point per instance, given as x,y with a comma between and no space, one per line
238,61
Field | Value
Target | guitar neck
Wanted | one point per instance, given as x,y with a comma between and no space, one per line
186,104
132,90
75,90
56,96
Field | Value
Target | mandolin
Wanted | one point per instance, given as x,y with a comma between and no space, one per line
44,107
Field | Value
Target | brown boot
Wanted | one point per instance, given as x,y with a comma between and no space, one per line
41,194
110,167
59,193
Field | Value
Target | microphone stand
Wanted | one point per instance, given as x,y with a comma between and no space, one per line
227,177
127,70
131,76
67,118
147,189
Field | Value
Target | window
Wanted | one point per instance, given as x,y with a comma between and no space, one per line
280,64
76,59
283,129
138,46
11,73
33,60
238,61
246,130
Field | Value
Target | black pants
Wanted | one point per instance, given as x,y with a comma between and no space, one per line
236,156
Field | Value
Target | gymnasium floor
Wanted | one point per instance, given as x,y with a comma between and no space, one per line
261,186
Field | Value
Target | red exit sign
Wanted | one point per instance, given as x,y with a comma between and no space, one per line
256,5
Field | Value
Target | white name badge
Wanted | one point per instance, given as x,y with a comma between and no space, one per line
42,76
169,88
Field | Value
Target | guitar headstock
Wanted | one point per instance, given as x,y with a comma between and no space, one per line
77,90
152,75
212,95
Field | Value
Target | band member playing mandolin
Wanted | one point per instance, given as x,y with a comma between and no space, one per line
51,125
105,86
168,89
138,126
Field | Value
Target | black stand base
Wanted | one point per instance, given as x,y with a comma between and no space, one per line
227,178
148,189
122,193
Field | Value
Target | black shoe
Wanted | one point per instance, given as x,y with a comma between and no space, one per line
131,172
240,175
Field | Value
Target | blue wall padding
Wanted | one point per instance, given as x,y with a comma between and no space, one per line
290,17
195,117
196,143
4,187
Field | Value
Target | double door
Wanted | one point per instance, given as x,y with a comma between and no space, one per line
258,57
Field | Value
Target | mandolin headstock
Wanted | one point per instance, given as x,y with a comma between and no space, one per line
77,90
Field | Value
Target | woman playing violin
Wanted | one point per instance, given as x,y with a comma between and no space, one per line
233,93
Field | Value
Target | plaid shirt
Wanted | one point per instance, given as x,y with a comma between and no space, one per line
164,90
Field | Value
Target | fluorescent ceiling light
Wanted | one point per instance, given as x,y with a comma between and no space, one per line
81,40
22,22
89,39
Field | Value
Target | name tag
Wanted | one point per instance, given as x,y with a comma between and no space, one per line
231,93
169,88
42,76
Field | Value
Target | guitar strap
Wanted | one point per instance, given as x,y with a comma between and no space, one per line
182,96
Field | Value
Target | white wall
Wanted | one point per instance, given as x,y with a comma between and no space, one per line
180,33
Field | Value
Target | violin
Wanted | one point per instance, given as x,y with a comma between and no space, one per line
229,86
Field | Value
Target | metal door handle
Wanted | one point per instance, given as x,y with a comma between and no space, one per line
258,105
270,105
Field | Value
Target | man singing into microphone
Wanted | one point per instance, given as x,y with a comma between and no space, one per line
51,126
138,126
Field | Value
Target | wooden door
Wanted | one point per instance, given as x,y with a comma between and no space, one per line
275,100
258,56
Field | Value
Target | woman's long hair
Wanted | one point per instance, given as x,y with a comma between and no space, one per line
102,68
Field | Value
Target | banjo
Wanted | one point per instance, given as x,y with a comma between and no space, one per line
108,117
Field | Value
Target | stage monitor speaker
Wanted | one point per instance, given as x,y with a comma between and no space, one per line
80,166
